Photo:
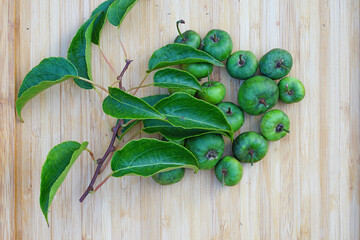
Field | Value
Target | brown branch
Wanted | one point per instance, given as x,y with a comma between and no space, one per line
127,63
111,147
101,161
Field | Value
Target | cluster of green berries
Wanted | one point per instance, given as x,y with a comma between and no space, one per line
256,96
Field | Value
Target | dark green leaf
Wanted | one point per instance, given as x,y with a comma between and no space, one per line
99,21
146,157
151,100
177,53
183,110
49,72
57,165
170,132
175,78
122,105
118,10
79,52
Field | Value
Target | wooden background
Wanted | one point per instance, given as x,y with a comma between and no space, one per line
307,187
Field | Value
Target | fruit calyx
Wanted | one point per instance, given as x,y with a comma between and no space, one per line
178,29
251,152
214,38
229,112
211,155
290,92
280,64
280,127
263,102
241,60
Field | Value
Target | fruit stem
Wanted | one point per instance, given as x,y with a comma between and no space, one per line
280,127
229,112
280,64
241,60
178,29
210,84
251,152
214,38
290,92
223,173
262,101
283,66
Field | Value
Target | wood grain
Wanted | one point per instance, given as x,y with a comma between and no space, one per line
307,187
7,120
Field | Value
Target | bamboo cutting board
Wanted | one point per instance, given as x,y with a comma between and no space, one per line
307,187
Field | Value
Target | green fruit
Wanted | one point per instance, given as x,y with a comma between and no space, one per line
198,70
218,44
169,177
190,91
189,37
208,149
250,147
213,92
274,125
257,95
234,115
242,65
276,63
291,90
229,171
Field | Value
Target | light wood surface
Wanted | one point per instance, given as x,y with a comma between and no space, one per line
307,187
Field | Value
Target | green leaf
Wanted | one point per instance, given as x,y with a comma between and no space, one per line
153,99
177,53
79,52
183,110
118,10
122,105
99,21
146,157
170,132
57,165
49,72
175,78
